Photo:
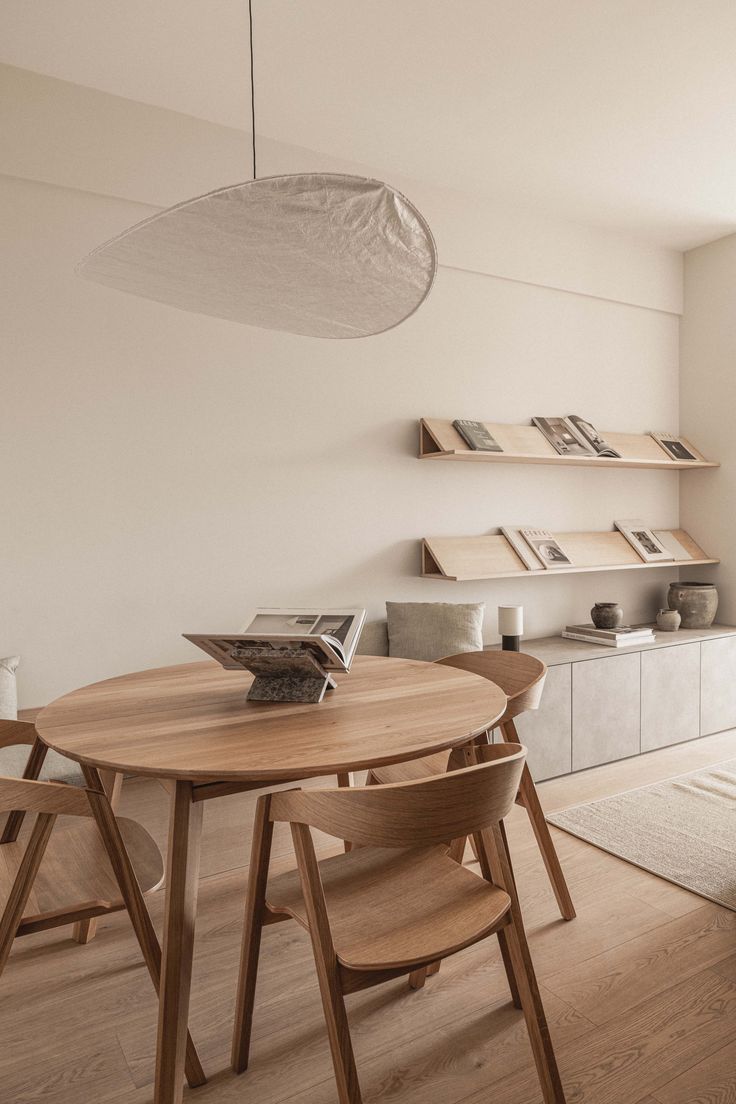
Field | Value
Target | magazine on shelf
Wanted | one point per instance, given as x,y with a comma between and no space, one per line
477,435
289,636
563,437
644,541
589,435
674,445
672,544
546,547
522,549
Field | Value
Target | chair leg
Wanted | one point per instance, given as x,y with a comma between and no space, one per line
84,931
328,974
21,889
530,800
346,780
503,943
32,771
495,858
252,929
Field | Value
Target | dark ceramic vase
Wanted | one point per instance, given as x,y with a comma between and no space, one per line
607,615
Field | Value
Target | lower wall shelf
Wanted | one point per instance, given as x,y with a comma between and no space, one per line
462,559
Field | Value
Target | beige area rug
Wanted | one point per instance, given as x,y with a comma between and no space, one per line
683,829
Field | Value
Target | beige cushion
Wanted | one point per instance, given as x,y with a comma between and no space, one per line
431,630
373,639
8,690
56,768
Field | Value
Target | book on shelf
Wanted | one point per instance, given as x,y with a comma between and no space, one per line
672,544
675,446
522,549
589,435
546,548
644,541
630,632
574,436
477,435
624,637
329,636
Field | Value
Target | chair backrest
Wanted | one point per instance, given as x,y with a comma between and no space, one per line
43,797
405,814
520,676
16,732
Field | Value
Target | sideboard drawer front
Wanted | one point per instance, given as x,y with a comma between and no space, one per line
547,732
670,696
718,685
606,708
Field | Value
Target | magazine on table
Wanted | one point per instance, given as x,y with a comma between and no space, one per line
329,636
574,436
547,548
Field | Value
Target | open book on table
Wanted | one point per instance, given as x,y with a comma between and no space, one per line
286,649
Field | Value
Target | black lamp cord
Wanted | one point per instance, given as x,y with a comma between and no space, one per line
252,87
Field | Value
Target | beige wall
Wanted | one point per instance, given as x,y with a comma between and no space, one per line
708,398
165,472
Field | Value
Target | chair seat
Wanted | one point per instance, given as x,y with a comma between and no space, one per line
75,872
413,769
394,909
56,768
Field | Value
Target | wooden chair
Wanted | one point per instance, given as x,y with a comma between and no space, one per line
521,677
17,762
90,865
398,902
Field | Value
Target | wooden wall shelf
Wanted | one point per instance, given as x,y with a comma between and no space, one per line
460,559
439,440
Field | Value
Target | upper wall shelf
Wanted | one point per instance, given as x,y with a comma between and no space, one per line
439,440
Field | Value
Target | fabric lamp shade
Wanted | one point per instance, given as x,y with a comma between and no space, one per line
320,254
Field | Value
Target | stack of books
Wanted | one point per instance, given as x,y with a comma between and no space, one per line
626,636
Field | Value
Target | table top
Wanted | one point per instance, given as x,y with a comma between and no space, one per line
192,721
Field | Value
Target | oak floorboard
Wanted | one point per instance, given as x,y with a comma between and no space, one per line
610,984
712,1081
91,1009
657,1041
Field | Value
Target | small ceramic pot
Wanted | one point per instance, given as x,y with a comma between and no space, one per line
668,620
607,615
696,602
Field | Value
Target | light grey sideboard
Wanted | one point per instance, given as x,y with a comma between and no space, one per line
600,704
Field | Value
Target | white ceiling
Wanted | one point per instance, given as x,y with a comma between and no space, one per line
618,113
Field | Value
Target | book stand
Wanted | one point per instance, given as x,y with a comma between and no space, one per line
292,675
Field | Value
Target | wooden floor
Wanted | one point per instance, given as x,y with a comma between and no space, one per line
640,989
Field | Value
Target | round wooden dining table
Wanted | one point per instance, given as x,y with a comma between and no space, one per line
191,725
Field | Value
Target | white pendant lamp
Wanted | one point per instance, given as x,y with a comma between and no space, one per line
322,254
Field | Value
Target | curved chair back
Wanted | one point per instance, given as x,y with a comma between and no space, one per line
520,676
434,810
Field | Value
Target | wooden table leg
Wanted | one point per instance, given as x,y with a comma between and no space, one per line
182,874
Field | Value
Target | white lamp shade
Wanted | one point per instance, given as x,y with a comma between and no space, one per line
511,620
321,254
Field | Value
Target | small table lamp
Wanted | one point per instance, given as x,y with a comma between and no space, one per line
510,626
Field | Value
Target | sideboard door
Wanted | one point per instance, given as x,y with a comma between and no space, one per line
606,709
670,695
547,732
718,685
